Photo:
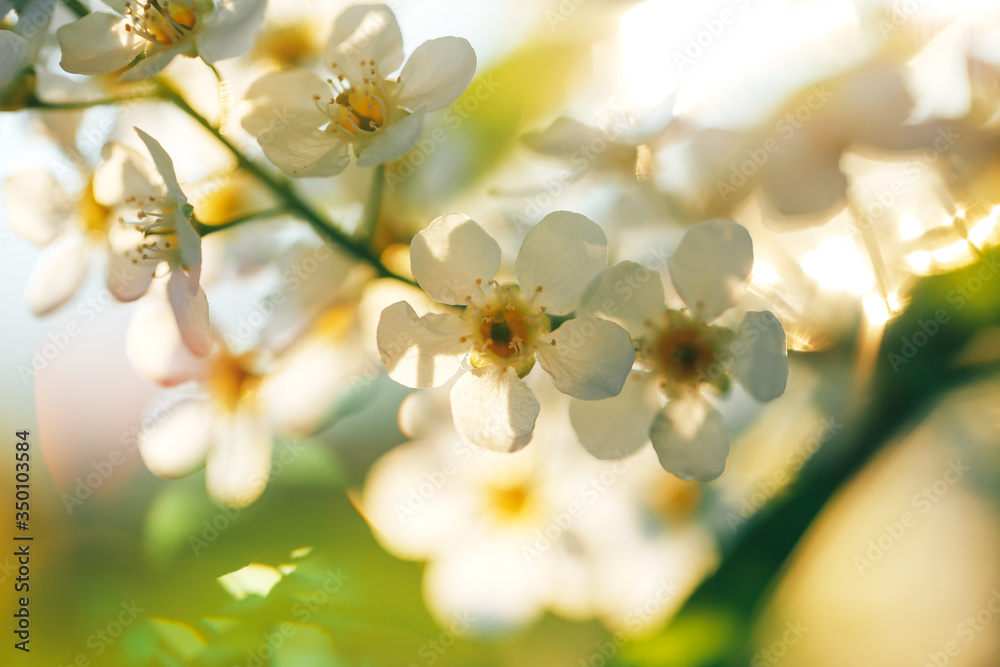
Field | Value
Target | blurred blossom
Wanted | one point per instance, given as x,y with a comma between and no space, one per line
505,328
549,528
309,127
679,352
101,43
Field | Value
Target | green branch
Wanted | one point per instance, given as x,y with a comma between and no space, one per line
373,208
77,7
281,187
205,229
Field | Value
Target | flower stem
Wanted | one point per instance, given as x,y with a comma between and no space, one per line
77,7
205,229
281,187
366,231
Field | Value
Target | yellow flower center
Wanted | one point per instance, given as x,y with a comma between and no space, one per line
506,329
94,217
687,353
512,502
230,380
165,24
358,110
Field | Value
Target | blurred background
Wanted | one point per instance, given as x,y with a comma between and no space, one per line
857,521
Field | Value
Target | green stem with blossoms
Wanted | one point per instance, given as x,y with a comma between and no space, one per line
281,187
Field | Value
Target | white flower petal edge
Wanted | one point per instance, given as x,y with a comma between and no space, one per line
238,464
230,29
711,267
590,358
177,446
60,271
37,207
494,409
191,312
762,368
98,43
691,440
562,254
154,346
628,294
364,33
450,256
421,351
392,142
125,172
437,72
618,426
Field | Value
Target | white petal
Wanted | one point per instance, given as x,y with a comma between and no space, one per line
562,254
762,365
13,55
154,345
191,312
279,99
362,33
493,408
98,44
37,207
626,293
691,439
421,351
239,464
230,28
164,165
177,446
392,142
590,359
125,172
60,271
303,152
450,255
437,72
460,596
711,267
153,64
618,426
127,280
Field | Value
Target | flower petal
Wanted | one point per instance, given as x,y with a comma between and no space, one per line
177,445
392,142
303,152
711,267
691,439
153,64
762,368
362,33
450,255
154,345
628,294
13,54
60,271
618,426
191,312
421,351
436,73
589,359
98,44
494,409
239,464
127,279
230,28
279,99
562,254
125,172
37,207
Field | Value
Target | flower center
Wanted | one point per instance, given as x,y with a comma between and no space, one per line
155,219
511,502
230,380
165,24
358,110
95,217
687,353
506,329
